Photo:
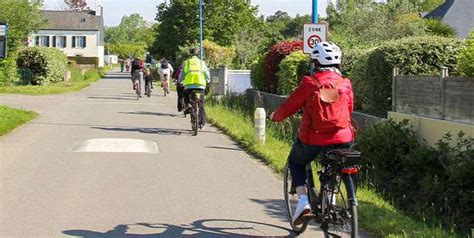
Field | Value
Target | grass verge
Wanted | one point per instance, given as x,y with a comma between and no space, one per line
375,214
11,118
77,82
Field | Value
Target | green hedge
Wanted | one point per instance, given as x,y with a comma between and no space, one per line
434,184
8,71
46,64
466,57
256,73
292,68
413,56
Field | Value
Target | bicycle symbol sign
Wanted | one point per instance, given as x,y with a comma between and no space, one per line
313,40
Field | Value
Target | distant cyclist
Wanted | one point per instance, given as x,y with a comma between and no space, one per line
149,77
327,102
194,76
165,70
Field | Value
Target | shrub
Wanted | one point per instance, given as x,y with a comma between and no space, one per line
292,68
430,183
439,28
350,57
46,64
466,57
414,56
217,55
272,61
256,73
9,71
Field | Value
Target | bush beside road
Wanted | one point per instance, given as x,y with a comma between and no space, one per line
77,82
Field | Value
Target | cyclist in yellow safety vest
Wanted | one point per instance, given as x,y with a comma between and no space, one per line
194,77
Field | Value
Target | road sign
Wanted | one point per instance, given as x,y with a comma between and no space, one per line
3,39
313,34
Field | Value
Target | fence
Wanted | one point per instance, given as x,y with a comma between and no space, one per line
441,97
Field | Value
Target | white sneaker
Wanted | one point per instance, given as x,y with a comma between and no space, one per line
303,211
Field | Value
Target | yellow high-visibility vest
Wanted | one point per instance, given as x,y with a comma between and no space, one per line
194,74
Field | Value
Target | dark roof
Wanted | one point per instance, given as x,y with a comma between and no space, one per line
72,20
457,13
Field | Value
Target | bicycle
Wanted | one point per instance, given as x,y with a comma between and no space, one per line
334,206
195,98
166,85
138,85
148,88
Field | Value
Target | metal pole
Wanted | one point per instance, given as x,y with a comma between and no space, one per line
315,11
200,30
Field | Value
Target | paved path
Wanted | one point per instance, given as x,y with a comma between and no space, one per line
202,186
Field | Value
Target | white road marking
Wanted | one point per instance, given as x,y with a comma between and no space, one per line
117,145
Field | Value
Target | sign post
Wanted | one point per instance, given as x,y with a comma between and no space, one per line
3,39
313,34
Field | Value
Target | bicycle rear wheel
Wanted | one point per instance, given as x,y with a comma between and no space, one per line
339,212
291,200
194,119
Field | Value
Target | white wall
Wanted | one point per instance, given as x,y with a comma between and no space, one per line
238,81
92,48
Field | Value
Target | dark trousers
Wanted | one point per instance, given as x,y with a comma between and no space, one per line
180,90
187,100
302,154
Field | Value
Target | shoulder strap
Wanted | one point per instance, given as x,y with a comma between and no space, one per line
316,81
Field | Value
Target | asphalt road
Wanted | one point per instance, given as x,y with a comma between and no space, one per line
99,163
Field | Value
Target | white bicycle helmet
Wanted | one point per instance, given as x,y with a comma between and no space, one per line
327,53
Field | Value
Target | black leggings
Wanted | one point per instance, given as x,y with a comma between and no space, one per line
187,93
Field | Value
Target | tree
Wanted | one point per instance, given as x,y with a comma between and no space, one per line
133,36
23,17
76,5
179,23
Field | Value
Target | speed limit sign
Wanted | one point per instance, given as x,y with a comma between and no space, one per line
313,34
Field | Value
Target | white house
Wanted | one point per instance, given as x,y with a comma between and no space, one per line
79,34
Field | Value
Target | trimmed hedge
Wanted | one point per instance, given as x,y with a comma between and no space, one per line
8,71
256,73
434,184
46,64
466,57
413,56
292,68
272,61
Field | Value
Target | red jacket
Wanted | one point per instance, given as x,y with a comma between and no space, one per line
298,100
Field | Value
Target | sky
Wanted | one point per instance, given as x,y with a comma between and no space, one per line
115,9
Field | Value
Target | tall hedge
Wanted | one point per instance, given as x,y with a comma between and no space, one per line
430,183
466,57
272,61
256,73
413,56
47,65
292,68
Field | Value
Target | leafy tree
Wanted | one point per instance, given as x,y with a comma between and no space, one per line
76,5
23,17
131,37
179,23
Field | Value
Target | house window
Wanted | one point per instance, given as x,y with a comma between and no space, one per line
61,42
81,43
78,42
44,41
37,40
54,41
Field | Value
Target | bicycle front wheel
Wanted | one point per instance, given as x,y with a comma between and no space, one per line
339,209
291,200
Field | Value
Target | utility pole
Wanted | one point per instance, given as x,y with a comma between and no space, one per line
315,12
200,30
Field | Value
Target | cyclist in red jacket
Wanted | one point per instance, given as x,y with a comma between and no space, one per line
313,137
